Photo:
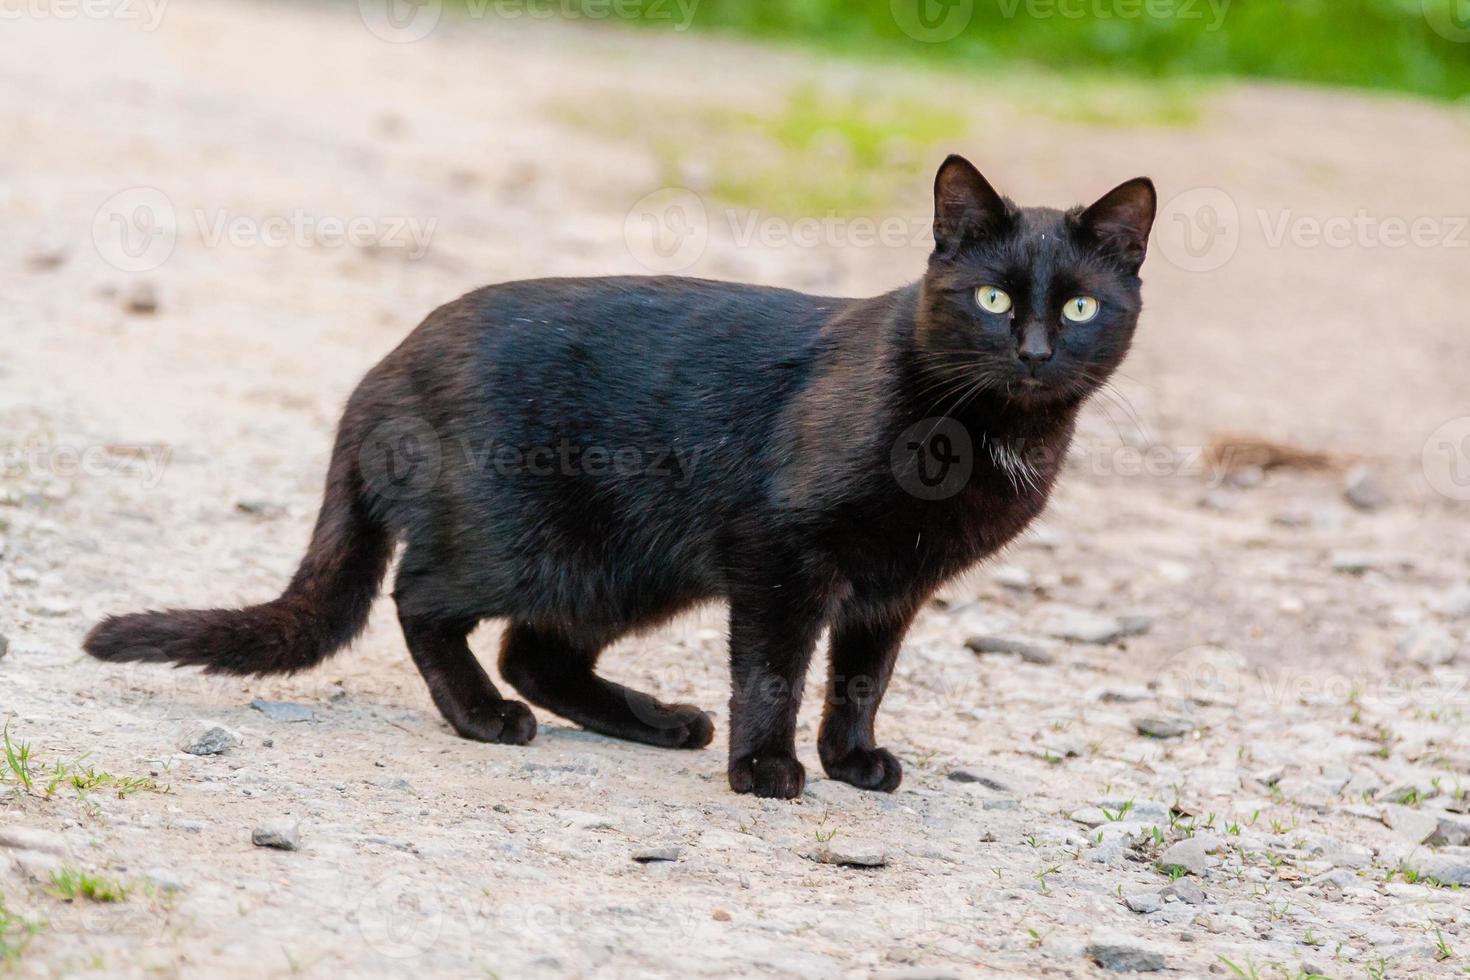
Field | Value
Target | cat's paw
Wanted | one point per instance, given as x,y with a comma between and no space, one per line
506,722
774,776
876,769
679,726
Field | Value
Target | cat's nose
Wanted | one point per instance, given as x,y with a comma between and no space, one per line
1033,355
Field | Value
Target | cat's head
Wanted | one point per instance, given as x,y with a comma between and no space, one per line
1032,305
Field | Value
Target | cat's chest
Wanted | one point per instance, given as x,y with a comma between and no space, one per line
912,542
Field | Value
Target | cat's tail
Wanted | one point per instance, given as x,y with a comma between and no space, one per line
323,609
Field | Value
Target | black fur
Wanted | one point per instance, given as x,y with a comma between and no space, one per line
586,458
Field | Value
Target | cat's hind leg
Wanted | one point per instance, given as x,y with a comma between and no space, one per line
556,670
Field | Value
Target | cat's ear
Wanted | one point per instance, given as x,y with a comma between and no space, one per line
1121,221
966,207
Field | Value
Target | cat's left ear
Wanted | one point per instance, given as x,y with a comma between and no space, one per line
1122,219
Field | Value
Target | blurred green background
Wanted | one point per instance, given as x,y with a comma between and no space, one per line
1376,44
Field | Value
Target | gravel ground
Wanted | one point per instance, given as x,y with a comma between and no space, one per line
1230,727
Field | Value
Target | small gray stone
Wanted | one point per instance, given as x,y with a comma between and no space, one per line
1082,626
51,607
1414,826
852,853
1454,603
1429,646
1029,652
1162,727
210,740
665,852
1186,891
30,839
1353,562
1121,954
283,835
1365,490
1144,902
141,299
1445,868
1136,623
1191,854
4,645
260,508
163,880
970,776
283,711
1453,830
1013,577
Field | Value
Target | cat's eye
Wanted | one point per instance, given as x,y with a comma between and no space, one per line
993,299
1080,309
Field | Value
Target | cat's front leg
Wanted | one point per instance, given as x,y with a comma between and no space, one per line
865,642
773,630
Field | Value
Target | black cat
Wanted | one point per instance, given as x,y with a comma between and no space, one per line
586,458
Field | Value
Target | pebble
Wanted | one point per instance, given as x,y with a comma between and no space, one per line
1186,891
260,508
30,839
1144,902
1353,562
1364,489
163,880
1162,727
1029,652
283,835
1429,646
970,776
1414,826
1453,830
1191,854
648,855
1122,954
283,711
852,853
1082,626
211,740
51,606
1454,603
1013,577
1445,868
142,299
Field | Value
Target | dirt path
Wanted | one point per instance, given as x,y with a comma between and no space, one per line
1312,652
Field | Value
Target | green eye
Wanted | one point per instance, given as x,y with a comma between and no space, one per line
993,299
1080,309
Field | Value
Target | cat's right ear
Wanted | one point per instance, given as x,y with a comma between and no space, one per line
966,207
